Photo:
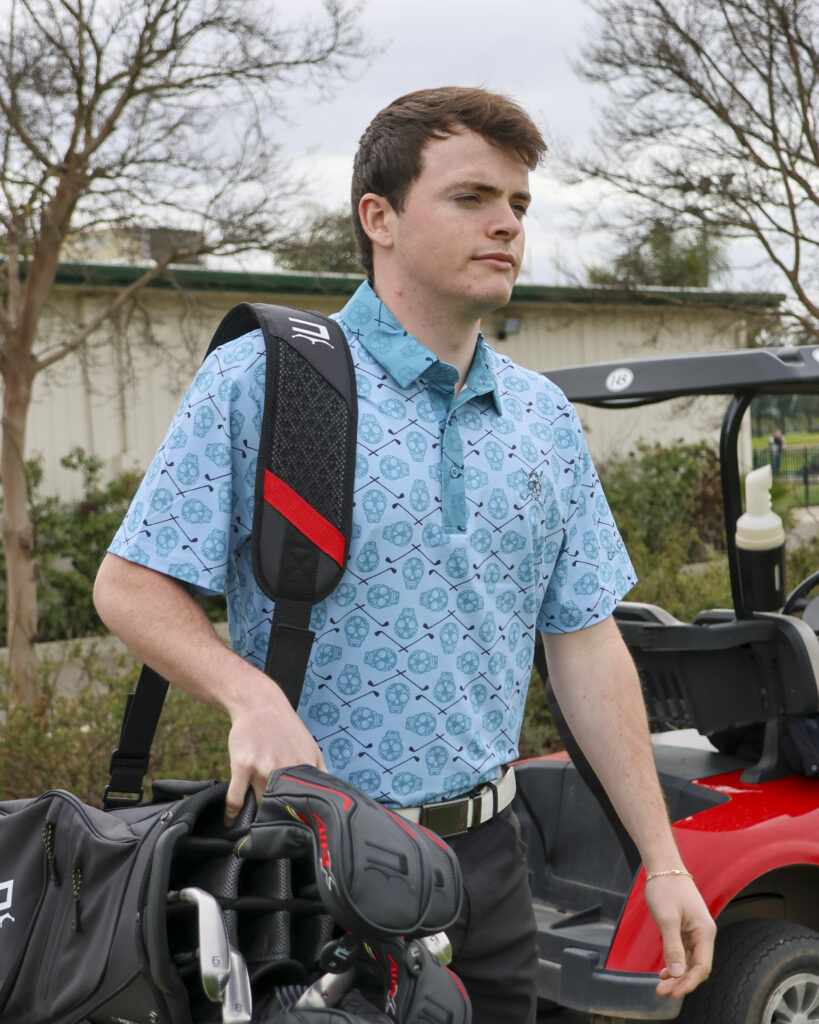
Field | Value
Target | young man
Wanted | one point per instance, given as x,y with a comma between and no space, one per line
476,497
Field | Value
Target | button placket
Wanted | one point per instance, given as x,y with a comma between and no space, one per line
453,484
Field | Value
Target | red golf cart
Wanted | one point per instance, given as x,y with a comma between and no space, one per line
746,824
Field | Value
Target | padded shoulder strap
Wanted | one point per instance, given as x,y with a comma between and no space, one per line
304,477
306,467
303,504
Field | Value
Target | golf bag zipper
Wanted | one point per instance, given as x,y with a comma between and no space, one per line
49,830
76,888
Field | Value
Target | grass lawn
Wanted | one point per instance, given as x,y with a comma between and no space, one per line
790,439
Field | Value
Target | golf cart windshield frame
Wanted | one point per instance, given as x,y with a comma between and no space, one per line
743,374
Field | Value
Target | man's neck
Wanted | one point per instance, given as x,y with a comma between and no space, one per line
450,337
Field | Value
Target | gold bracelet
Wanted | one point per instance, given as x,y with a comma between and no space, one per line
673,871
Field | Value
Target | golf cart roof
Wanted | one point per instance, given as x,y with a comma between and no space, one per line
632,382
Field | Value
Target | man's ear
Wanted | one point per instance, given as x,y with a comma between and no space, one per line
377,219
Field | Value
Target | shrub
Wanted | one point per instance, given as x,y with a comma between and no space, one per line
71,538
667,500
65,742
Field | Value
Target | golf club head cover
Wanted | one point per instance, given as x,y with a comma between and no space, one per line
330,1015
377,874
417,986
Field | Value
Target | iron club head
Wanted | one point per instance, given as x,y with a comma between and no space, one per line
214,946
237,1001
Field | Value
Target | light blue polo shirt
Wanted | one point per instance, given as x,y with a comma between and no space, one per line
478,519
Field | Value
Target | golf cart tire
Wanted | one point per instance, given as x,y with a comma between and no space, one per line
753,962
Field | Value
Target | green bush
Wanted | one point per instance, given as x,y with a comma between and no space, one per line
667,500
538,734
71,538
65,742
667,503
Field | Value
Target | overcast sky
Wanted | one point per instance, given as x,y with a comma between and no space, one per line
520,47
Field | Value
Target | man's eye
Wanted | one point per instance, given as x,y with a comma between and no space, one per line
469,198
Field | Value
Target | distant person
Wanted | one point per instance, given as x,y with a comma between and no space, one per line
776,444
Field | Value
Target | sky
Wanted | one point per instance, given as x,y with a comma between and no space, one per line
523,48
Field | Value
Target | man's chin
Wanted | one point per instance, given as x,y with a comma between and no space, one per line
493,298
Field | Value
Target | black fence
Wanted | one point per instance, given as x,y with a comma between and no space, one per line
796,467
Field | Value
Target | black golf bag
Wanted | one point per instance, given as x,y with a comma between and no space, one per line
158,913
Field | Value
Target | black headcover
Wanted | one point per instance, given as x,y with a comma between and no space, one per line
326,1015
377,874
395,981
418,988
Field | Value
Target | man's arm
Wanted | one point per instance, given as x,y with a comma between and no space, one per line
596,684
162,624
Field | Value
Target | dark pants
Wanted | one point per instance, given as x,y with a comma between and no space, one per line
493,940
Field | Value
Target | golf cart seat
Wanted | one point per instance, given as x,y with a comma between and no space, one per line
721,673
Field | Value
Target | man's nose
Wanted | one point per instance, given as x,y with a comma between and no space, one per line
506,223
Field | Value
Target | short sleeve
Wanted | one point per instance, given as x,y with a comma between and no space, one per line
194,506
593,571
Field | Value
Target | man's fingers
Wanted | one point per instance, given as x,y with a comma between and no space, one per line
687,930
674,952
696,965
235,798
243,778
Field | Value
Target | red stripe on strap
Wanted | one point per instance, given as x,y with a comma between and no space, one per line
303,516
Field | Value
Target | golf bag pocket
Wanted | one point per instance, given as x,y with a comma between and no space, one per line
58,921
377,874
79,938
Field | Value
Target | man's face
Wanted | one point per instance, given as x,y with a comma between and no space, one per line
458,241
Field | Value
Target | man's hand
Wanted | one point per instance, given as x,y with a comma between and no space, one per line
687,931
261,741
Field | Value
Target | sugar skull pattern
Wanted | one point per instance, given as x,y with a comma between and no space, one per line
478,519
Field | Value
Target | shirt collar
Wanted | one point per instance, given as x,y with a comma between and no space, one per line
403,357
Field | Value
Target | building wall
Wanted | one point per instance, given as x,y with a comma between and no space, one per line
118,397
565,336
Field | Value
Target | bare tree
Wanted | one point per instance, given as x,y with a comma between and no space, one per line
711,121
117,113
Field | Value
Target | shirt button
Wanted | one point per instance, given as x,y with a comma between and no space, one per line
454,472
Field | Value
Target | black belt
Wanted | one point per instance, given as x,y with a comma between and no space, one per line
452,817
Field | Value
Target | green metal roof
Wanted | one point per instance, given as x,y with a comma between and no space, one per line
118,275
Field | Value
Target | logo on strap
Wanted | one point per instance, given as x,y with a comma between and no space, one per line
316,334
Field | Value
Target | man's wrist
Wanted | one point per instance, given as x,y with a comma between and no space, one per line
661,854
250,692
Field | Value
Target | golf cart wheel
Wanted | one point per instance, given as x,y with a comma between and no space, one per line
765,972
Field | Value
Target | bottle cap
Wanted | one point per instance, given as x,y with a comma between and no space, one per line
759,528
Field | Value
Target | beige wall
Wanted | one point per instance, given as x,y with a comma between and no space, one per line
554,337
118,399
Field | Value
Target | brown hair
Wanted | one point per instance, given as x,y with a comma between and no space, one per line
389,156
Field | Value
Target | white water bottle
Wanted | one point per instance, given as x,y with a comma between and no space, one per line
760,541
